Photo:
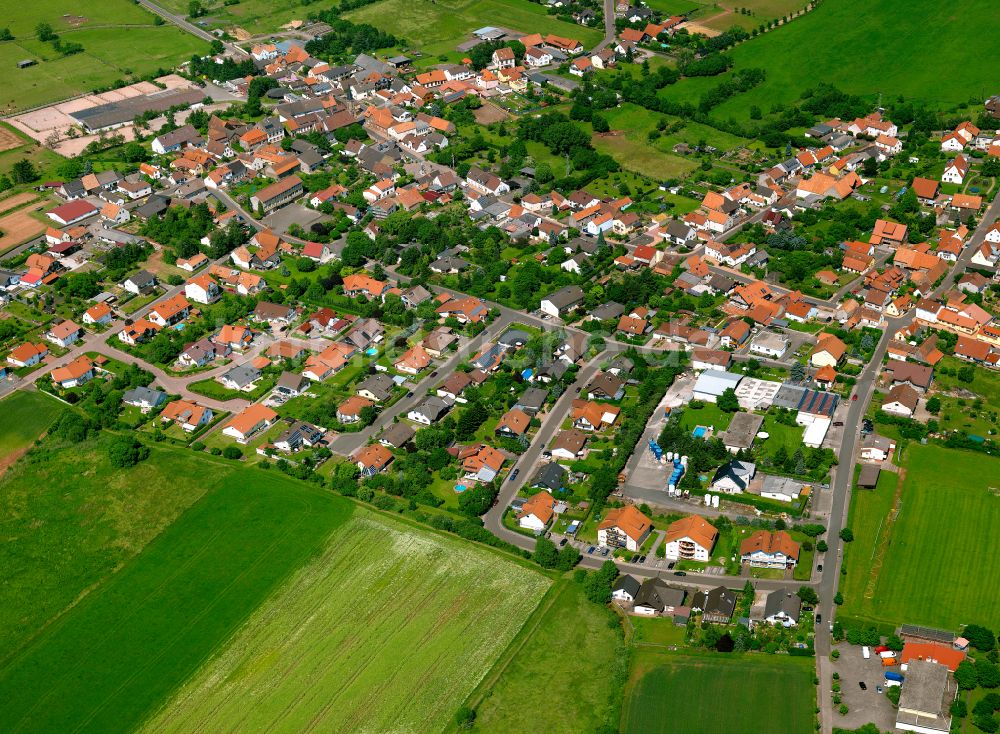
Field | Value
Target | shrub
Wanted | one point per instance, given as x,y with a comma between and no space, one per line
232,452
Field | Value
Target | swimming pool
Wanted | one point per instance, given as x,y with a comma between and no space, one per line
699,431
460,488
371,351
179,327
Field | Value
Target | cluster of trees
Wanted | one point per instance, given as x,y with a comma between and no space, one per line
481,54
742,81
126,451
223,72
547,555
565,138
710,65
347,38
65,48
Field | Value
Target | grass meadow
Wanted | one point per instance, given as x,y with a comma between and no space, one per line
675,692
935,561
631,148
388,629
113,658
880,48
557,673
26,415
438,27
119,40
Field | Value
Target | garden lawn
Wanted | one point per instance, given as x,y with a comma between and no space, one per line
934,563
557,674
389,628
893,34
673,692
438,27
112,659
25,416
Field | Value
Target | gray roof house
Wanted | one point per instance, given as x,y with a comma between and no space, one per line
549,477
376,387
144,398
655,597
396,435
291,384
716,605
563,300
532,400
734,477
782,608
625,588
742,431
430,410
242,377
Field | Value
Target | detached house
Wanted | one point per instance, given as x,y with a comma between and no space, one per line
716,605
624,527
536,513
765,549
63,334
690,538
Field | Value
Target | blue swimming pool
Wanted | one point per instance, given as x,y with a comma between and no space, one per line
371,351
460,488
699,431
179,327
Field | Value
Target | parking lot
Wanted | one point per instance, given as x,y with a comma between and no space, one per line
865,706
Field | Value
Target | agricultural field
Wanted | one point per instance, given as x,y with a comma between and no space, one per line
72,520
931,563
26,415
891,36
667,693
114,657
555,660
119,39
438,27
253,16
388,628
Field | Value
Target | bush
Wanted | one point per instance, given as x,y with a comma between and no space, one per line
465,717
835,655
232,452
126,451
197,446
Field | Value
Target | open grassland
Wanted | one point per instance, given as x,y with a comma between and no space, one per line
119,39
674,692
26,415
254,16
120,652
566,653
71,520
438,26
879,48
628,144
934,563
389,629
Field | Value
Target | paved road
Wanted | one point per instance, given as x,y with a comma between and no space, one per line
177,20
609,26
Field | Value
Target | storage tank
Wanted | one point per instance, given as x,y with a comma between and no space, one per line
708,500
715,501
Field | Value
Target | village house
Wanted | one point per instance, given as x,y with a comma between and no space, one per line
624,527
690,538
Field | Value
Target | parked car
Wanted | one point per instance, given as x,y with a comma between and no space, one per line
878,689
819,618
562,542
671,565
590,549
434,373
838,424
513,475
819,567
680,573
854,397
642,559
409,394
862,686
605,551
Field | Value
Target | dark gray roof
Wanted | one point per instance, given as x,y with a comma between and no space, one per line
656,594
782,601
550,476
397,434
514,338
532,399
628,584
144,396
242,375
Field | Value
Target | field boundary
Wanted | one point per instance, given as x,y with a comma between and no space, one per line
883,541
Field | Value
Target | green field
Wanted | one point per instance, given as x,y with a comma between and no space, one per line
889,41
631,148
438,26
119,40
711,693
566,653
388,629
255,16
25,416
935,561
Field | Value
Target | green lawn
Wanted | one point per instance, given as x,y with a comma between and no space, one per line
25,416
935,561
557,673
438,27
388,628
674,692
891,37
118,37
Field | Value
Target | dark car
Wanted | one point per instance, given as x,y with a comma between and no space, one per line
590,549
819,567
434,373
562,542
642,559
819,618
862,686
409,394
671,565
680,573
513,475
838,423
605,551
634,558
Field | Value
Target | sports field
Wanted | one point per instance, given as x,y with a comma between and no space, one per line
25,416
112,659
712,693
934,563
388,629
119,39
879,48
438,26
567,652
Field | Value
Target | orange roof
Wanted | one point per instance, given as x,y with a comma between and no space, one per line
695,527
776,542
416,358
99,311
826,373
540,506
250,417
364,283
893,231
74,370
830,343
171,307
943,654
26,351
376,456
183,410
629,520
354,405
516,420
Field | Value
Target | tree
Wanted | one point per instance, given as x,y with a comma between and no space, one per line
465,717
808,595
23,172
934,404
797,372
838,599
847,535
45,33
545,554
987,674
600,124
478,500
6,35
728,402
232,452
980,637
821,546
134,153
196,9
965,675
569,556
597,585
126,451
959,708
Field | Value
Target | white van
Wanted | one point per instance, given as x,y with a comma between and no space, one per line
865,652
888,654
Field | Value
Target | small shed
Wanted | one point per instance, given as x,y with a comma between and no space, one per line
25,63
868,478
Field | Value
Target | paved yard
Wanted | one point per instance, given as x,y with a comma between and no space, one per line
865,706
